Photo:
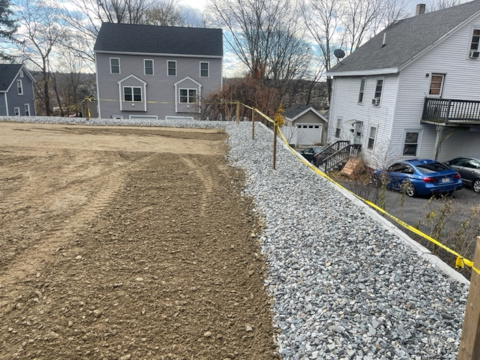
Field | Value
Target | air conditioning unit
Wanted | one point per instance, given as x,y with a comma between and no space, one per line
474,54
376,101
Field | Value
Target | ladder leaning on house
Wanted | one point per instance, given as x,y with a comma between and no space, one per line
340,152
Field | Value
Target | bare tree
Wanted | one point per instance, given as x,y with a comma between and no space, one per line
164,13
444,4
41,32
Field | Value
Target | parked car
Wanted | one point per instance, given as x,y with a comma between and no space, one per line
419,177
469,169
319,157
310,152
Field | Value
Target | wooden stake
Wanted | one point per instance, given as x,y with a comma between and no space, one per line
470,343
238,112
253,123
274,144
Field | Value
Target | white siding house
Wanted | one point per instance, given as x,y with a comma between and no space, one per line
429,104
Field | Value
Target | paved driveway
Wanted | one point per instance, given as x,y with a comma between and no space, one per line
454,221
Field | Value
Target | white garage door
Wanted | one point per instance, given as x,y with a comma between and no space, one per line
309,134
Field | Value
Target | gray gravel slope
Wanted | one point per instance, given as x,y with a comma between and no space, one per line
345,286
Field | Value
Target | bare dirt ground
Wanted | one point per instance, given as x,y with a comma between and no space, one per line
127,243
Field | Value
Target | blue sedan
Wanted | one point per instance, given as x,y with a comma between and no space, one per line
419,177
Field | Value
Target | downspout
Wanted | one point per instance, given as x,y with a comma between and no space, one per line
6,103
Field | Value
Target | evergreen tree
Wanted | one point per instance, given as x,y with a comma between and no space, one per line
7,25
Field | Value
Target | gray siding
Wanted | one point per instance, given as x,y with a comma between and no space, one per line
160,88
16,100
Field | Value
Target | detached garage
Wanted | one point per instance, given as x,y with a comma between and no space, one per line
304,126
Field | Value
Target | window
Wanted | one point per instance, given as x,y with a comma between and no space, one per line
114,66
188,96
132,93
172,68
204,69
19,87
362,89
338,128
16,111
474,45
148,65
436,84
410,146
371,138
27,109
378,89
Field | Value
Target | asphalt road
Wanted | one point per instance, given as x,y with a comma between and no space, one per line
454,221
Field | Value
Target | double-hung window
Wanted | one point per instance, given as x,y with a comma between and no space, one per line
362,89
204,69
378,89
132,93
475,44
371,137
114,66
148,65
20,87
16,111
172,68
411,143
338,129
188,96
27,109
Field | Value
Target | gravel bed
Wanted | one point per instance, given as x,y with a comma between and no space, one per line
345,286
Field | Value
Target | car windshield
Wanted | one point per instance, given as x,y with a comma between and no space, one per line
431,168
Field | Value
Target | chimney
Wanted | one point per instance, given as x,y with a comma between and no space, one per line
420,10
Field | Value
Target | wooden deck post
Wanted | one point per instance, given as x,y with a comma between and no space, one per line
470,343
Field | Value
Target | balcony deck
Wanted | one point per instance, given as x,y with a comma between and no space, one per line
450,112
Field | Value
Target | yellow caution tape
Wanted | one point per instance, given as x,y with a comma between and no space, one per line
460,261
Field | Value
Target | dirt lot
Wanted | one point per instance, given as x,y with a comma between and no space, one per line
127,243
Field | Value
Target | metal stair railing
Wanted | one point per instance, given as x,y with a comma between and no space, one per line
340,155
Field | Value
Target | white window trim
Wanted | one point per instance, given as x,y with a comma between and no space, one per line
361,91
208,69
188,96
110,64
339,128
145,67
168,69
375,88
19,87
370,137
441,87
419,141
27,110
16,111
133,94
472,30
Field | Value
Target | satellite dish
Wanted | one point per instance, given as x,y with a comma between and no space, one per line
339,53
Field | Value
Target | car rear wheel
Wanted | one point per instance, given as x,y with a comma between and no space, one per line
476,185
410,189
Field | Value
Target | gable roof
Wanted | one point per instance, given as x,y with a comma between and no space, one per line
150,39
405,40
8,73
296,111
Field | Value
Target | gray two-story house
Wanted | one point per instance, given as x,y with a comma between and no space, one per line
157,72
16,91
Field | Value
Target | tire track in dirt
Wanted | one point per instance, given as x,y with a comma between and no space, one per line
204,176
31,260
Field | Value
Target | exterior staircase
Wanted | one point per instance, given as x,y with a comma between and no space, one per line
339,153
